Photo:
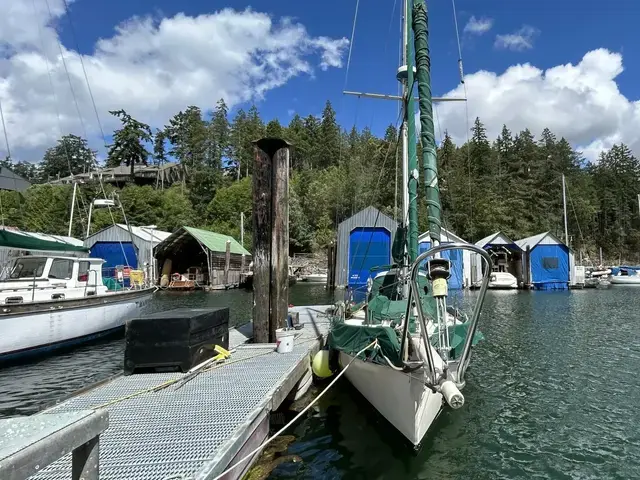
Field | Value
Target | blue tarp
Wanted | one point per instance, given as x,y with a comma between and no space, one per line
113,255
456,281
550,267
368,248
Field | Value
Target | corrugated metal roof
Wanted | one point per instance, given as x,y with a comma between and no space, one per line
445,236
143,233
531,242
493,239
217,242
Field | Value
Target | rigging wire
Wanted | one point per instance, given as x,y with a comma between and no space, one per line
84,72
66,69
53,90
466,106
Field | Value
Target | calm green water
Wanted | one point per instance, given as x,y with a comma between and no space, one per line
552,393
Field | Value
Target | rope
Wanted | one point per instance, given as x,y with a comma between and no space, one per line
373,344
353,34
168,383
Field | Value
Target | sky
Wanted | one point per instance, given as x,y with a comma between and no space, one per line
569,65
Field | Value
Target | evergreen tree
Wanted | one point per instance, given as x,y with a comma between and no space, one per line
128,142
70,156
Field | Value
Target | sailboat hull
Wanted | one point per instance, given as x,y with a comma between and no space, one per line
625,280
402,399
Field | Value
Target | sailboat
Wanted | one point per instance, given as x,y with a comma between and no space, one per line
404,349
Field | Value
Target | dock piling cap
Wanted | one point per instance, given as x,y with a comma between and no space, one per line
271,145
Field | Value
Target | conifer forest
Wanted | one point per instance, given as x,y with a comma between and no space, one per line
511,183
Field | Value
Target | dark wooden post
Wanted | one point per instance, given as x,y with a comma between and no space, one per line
331,266
227,262
270,238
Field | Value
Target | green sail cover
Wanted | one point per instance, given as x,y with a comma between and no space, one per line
399,244
351,339
24,241
427,132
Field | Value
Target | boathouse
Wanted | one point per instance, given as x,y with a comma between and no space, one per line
120,247
507,256
364,242
199,258
460,259
548,262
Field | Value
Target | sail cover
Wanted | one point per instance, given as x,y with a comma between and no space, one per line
28,241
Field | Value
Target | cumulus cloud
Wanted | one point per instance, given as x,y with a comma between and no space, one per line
478,26
151,67
521,39
581,102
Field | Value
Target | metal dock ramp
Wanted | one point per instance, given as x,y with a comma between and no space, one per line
194,430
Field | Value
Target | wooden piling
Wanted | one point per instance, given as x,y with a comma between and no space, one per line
227,262
331,266
270,238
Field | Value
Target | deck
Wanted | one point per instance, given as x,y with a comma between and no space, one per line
195,429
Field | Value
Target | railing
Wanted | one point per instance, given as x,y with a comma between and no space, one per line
31,443
414,292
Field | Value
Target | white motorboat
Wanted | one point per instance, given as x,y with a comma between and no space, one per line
502,280
625,280
49,302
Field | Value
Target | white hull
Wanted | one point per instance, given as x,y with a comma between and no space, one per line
502,281
626,280
23,333
402,399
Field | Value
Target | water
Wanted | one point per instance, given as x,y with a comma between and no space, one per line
552,393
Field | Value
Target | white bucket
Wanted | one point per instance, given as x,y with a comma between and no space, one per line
284,340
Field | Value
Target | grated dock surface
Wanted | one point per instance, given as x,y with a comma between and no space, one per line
174,431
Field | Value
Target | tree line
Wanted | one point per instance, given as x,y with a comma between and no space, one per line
512,183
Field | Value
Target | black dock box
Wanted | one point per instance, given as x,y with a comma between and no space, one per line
178,339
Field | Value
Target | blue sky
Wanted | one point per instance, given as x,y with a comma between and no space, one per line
558,33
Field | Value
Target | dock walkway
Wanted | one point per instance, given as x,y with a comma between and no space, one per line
195,429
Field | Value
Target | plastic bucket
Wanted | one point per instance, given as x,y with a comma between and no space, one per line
284,340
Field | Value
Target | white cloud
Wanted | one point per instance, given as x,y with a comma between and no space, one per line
150,67
478,26
521,39
581,102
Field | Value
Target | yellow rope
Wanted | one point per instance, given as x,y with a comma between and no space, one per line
168,383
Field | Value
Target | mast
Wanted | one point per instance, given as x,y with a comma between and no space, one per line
564,209
427,130
404,133
412,160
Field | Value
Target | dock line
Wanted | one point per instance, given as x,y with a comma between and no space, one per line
373,344
187,378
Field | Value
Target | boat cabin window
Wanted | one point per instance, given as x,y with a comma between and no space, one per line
28,268
83,271
61,269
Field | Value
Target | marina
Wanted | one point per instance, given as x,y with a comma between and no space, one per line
215,295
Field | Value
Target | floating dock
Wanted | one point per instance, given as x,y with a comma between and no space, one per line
198,428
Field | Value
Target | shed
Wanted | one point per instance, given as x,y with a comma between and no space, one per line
115,245
505,253
9,180
364,241
200,256
548,261
460,259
